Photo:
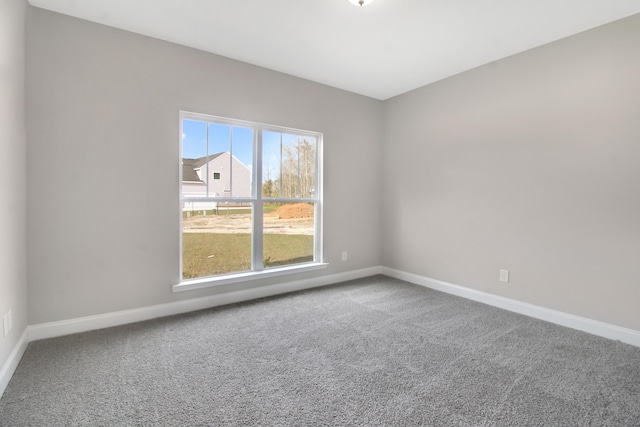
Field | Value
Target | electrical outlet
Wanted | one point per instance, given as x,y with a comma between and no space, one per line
8,322
504,276
344,255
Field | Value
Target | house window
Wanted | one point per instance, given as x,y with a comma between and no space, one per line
262,211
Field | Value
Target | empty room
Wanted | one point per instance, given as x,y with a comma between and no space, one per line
320,212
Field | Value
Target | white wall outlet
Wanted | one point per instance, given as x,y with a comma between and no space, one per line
8,322
504,276
344,255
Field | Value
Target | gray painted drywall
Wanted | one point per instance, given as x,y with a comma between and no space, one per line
13,223
525,164
102,113
528,164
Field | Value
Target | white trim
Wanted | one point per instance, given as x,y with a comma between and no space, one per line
83,324
257,219
584,324
227,279
318,214
12,362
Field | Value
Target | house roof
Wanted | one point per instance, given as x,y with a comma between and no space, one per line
189,167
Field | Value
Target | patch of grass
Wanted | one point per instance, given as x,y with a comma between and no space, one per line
209,254
284,249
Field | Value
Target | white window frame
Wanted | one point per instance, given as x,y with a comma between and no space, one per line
258,270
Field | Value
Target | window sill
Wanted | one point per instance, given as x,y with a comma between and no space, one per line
228,279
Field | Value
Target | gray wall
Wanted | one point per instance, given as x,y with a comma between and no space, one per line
102,108
529,164
13,276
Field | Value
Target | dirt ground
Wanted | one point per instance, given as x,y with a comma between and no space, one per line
296,210
288,219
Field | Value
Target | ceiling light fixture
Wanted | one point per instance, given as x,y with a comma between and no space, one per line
360,2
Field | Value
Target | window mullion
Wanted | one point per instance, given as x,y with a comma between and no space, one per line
231,161
206,166
257,243
318,195
281,186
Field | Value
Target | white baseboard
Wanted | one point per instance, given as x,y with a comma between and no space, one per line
584,324
12,362
100,321
83,324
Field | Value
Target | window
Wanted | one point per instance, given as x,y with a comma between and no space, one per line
261,213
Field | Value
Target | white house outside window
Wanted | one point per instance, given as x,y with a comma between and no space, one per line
250,197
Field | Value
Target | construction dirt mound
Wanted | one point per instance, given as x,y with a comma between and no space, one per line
297,210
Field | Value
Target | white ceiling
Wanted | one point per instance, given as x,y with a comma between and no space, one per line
380,50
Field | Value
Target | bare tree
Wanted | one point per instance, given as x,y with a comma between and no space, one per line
270,187
297,171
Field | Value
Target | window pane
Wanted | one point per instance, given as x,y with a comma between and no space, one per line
307,168
288,165
288,233
219,160
242,163
216,238
271,164
194,152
